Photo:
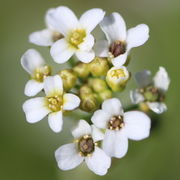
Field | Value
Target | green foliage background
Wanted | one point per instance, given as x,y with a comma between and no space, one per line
27,151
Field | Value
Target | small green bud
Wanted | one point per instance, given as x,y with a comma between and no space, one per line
69,78
98,85
82,70
99,66
85,90
89,103
117,78
106,94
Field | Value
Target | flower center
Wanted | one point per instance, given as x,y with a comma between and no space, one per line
117,48
56,36
77,37
116,123
117,73
153,94
41,73
55,103
86,145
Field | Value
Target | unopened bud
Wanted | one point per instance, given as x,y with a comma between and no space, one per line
69,78
85,90
98,85
144,107
99,66
106,94
82,70
89,103
117,78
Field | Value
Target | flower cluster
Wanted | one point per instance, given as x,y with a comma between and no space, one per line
96,69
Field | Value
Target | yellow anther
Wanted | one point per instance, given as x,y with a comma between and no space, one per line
118,73
76,37
41,73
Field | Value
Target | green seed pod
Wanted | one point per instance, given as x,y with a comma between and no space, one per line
151,94
82,70
69,78
99,67
98,85
89,103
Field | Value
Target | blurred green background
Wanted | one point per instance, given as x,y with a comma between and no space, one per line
27,151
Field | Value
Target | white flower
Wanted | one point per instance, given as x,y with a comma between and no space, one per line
120,126
120,41
48,36
77,34
151,92
34,64
85,149
52,105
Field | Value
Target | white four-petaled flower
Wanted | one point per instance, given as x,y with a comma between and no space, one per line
53,104
85,149
120,126
151,91
34,64
77,34
120,41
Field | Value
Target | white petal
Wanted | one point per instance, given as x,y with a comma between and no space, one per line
33,87
136,97
71,101
53,85
31,60
85,56
97,134
35,109
55,121
115,143
100,118
161,79
91,18
137,36
62,19
99,162
61,52
87,44
50,19
42,38
101,48
157,107
137,125
120,60
67,157
143,78
114,27
83,128
112,106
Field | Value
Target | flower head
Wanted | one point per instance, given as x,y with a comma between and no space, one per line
120,126
48,36
35,65
53,104
151,92
84,148
120,41
77,34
